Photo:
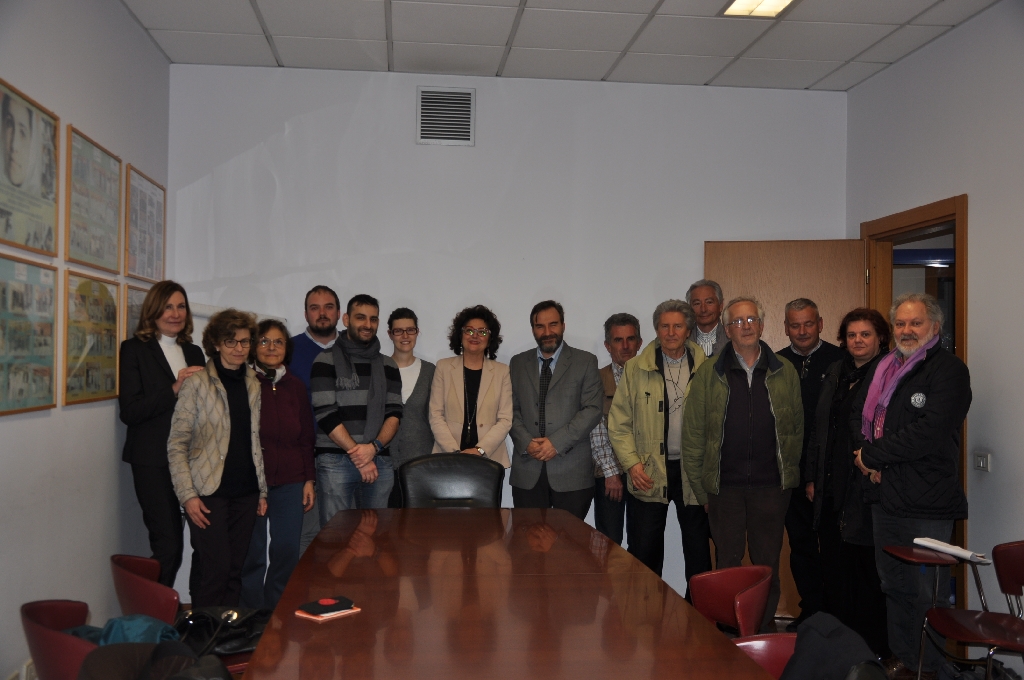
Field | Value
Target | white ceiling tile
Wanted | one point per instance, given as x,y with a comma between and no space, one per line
901,43
464,60
859,11
424,22
848,75
565,30
186,47
699,36
495,3
558,64
667,68
775,73
351,19
332,53
952,12
692,8
629,6
817,41
210,16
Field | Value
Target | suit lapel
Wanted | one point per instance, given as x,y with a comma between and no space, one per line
564,359
485,382
161,360
533,372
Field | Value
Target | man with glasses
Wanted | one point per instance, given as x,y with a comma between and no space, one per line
357,402
556,402
811,356
742,435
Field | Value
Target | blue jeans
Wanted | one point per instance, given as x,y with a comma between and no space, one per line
908,588
341,487
262,587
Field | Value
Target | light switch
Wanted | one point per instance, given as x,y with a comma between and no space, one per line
983,462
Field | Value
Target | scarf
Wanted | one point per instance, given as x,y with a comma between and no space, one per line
344,351
887,378
271,374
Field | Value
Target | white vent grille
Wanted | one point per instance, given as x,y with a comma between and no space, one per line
446,116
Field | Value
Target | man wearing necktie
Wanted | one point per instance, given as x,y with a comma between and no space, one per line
556,402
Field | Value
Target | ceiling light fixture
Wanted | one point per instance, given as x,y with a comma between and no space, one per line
756,8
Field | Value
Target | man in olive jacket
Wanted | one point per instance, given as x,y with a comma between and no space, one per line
742,437
645,426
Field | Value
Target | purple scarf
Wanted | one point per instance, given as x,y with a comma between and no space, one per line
887,378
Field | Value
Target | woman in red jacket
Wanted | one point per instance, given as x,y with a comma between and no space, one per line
287,437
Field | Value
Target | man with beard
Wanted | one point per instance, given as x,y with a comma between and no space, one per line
323,311
357,402
556,402
906,426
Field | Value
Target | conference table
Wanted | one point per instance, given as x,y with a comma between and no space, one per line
486,593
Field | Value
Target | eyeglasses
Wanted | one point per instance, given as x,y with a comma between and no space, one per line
267,342
749,320
231,342
482,332
399,332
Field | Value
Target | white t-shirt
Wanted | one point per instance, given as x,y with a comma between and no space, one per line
410,374
172,352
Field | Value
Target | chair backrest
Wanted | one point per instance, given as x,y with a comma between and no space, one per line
451,480
736,596
771,651
135,582
55,654
1008,559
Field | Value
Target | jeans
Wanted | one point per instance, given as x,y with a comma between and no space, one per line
341,487
609,515
262,587
908,588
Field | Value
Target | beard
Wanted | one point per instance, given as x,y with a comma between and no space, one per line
322,328
549,343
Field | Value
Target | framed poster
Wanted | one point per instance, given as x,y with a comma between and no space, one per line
27,301
90,339
92,227
134,296
28,173
146,215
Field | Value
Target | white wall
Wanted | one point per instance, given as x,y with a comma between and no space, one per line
65,495
946,121
597,194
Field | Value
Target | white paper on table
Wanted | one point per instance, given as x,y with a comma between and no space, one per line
953,550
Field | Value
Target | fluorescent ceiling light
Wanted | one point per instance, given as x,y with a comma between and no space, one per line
756,8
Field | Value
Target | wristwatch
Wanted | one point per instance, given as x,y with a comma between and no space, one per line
481,451
377,445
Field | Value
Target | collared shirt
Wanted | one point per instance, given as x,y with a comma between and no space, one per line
799,353
707,340
749,369
553,357
600,444
322,345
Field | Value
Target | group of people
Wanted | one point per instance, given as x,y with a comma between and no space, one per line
849,448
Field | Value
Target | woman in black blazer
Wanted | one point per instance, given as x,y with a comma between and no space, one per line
154,364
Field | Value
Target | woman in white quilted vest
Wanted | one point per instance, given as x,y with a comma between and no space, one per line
216,461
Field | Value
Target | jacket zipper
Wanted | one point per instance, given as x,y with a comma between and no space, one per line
778,444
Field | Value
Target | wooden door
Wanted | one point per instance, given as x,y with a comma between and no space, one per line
831,273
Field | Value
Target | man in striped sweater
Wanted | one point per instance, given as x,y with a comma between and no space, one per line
357,401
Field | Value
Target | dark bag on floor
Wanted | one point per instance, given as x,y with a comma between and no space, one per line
827,650
952,671
222,630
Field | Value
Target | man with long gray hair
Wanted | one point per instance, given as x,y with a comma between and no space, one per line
906,435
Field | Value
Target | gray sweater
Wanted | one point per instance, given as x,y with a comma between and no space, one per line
414,437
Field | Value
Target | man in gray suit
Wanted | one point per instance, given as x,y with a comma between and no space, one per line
556,402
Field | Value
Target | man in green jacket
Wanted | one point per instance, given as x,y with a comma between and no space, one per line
645,426
742,438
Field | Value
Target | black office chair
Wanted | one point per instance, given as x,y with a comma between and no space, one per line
451,480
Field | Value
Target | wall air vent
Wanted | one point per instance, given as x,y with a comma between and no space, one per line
446,116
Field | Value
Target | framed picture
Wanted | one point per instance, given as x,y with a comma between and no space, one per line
28,173
92,230
133,299
146,215
90,339
28,297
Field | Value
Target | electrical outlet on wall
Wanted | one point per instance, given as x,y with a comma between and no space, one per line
983,461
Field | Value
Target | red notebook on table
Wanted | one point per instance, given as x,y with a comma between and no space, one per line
327,609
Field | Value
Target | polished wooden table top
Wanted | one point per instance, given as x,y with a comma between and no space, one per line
459,593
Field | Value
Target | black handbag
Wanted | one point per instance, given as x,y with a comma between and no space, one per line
222,630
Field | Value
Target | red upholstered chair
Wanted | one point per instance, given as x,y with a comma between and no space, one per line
994,630
138,592
735,597
56,655
771,651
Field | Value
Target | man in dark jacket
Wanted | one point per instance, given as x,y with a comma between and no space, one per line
906,431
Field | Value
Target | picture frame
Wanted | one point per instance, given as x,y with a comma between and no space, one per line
91,338
133,298
29,163
145,210
28,300
92,218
